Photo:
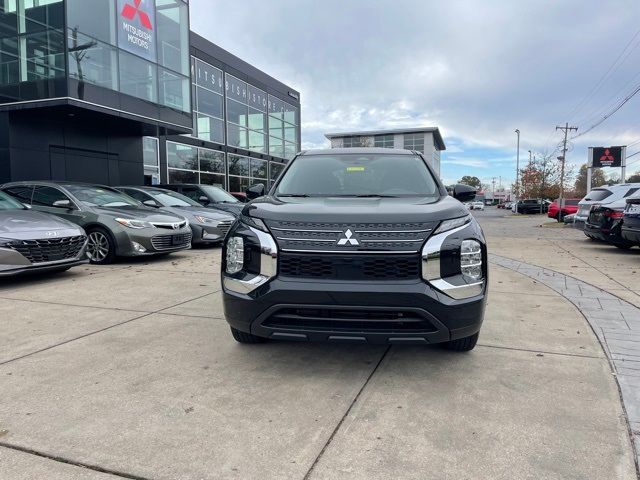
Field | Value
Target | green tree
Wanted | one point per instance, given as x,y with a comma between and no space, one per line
597,179
471,181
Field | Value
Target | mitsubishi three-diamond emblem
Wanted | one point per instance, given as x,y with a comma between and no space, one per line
348,238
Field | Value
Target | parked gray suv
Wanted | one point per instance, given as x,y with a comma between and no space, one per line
116,224
35,242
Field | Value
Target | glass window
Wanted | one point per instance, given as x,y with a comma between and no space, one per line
290,133
259,168
275,169
213,179
92,61
256,98
238,165
22,193
236,136
211,129
93,17
276,127
44,55
209,103
256,120
138,77
414,141
291,114
182,156
7,202
136,194
257,142
174,90
150,151
276,107
207,76
47,196
237,113
173,35
181,176
211,161
239,184
290,150
276,147
383,141
236,89
41,15
599,194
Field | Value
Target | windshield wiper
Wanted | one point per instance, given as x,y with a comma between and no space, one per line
296,195
365,195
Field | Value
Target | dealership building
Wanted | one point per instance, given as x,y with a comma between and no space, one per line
121,92
427,141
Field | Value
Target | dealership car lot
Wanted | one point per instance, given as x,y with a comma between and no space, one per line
129,369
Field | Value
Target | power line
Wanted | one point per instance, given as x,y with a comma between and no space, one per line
607,74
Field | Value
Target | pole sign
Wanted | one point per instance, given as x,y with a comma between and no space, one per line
136,27
607,157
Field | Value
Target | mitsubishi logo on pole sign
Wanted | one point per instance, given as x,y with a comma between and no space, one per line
607,157
136,27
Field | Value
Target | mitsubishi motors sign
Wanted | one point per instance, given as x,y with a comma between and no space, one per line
136,27
607,157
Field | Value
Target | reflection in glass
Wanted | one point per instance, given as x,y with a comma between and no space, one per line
210,129
236,136
237,113
94,18
173,35
276,147
92,62
238,165
44,52
258,168
239,184
180,176
209,103
275,169
256,120
182,156
174,90
138,77
212,179
150,152
257,142
211,161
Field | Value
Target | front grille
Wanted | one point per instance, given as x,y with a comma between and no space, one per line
224,226
170,242
50,249
350,237
352,267
372,320
170,226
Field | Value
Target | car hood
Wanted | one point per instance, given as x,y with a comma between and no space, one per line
146,214
352,210
233,208
202,211
24,224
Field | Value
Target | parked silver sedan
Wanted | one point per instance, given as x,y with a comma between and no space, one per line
33,241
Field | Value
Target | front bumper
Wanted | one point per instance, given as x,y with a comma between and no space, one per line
631,234
154,240
13,263
207,235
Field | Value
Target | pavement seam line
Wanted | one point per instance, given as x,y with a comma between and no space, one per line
560,354
613,362
346,414
146,314
74,463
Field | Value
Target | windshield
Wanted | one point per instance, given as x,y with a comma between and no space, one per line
353,175
598,194
172,199
218,195
8,203
101,197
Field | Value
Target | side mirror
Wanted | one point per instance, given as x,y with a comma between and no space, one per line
255,191
464,193
203,199
62,203
151,203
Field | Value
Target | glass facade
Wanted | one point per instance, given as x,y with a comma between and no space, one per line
189,164
136,47
383,141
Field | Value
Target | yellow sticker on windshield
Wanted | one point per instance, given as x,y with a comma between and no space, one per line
355,169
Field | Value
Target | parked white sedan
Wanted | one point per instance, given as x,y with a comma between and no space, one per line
477,206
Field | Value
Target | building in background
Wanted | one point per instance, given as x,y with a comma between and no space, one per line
427,141
121,92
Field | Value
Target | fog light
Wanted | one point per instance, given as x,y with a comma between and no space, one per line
138,248
471,259
235,254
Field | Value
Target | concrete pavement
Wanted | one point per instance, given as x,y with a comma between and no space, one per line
130,372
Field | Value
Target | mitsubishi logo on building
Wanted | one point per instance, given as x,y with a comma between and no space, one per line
130,11
348,239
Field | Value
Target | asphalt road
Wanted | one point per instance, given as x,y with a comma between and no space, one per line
129,371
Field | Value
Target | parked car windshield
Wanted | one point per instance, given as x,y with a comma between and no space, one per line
598,194
8,203
167,198
218,195
101,196
356,175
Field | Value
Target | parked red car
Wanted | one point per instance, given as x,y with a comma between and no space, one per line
570,207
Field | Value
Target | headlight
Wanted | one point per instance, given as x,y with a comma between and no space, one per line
137,224
452,223
235,255
202,219
471,259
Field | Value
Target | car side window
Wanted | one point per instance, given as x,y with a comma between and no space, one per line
631,192
192,192
138,195
47,196
22,193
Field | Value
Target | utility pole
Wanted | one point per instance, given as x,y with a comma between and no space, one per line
566,129
493,188
517,170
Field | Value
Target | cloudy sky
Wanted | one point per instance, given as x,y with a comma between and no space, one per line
478,70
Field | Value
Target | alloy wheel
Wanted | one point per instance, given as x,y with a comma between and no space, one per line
97,247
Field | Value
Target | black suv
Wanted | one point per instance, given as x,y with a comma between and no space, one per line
356,245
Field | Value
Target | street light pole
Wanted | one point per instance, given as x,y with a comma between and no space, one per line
518,169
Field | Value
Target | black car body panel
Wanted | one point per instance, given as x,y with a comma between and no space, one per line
630,230
604,223
372,269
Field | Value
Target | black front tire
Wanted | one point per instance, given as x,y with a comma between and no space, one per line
623,246
465,344
244,337
101,249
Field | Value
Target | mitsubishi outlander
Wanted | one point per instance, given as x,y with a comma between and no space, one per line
356,245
